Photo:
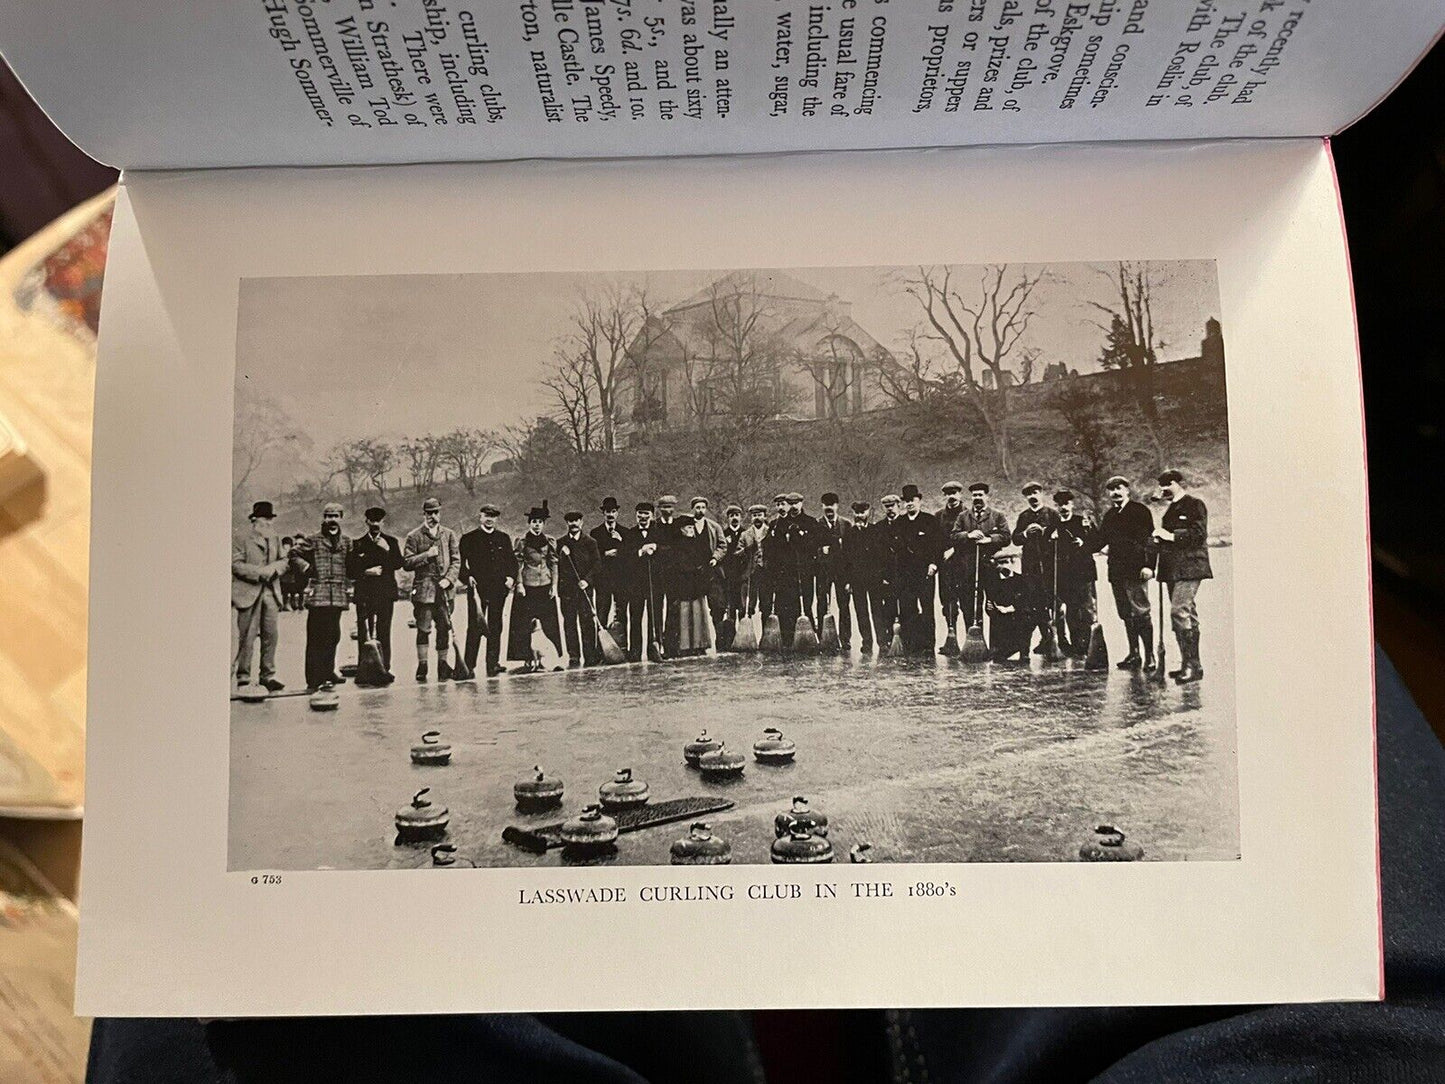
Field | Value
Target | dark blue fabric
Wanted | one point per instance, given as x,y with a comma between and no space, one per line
1399,1040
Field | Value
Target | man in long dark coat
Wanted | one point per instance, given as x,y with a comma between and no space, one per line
641,545
1182,538
863,567
951,569
1078,541
607,592
666,574
489,568
919,548
1126,534
577,561
977,534
832,585
372,565
1034,531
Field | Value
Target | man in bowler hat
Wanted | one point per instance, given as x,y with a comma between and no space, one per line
489,569
607,588
256,567
918,546
372,565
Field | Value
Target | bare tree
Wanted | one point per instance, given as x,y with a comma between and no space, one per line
909,375
1093,445
737,370
572,384
980,329
422,456
263,433
836,366
1131,344
375,459
466,450
345,461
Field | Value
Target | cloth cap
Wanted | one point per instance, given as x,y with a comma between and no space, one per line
644,506
978,487
431,504
490,510
262,510
758,508
892,498
374,514
734,508
333,506
1063,495
795,497
1117,480
1171,476
780,497
829,498
1030,487
696,501
952,487
667,500
572,517
912,493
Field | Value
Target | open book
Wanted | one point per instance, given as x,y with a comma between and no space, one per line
663,574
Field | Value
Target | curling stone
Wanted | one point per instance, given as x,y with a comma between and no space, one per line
721,763
444,855
800,814
325,699
703,743
1108,844
421,820
623,792
773,748
590,830
431,751
861,854
349,669
805,640
701,848
801,846
252,694
772,635
537,793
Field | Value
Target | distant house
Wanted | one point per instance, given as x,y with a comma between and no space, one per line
760,344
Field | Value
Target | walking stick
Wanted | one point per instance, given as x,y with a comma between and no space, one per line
1061,631
1051,643
1159,666
611,653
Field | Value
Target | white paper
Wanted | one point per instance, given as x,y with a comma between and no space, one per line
168,84
167,930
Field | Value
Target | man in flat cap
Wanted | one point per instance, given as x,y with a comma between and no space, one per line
1035,531
322,559
789,553
372,563
977,534
432,555
489,569
759,593
577,561
919,548
607,593
1078,541
642,543
257,564
862,565
1126,533
807,556
885,609
950,570
832,589
704,526
1183,538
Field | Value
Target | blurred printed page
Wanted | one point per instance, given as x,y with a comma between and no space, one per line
166,83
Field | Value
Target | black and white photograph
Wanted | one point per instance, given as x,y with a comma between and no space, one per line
913,564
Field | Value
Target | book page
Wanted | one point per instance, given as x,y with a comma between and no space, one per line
913,646
162,84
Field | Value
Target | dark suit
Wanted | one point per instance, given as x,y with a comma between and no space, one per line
641,573
953,569
665,579
863,561
918,543
607,588
375,595
1078,541
828,573
1037,563
975,570
577,561
1127,532
488,560
789,553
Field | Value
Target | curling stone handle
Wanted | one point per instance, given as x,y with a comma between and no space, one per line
431,736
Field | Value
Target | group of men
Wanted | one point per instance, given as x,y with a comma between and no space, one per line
647,581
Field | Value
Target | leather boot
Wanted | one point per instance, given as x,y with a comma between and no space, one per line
444,670
1183,639
421,670
1193,670
1146,641
1132,660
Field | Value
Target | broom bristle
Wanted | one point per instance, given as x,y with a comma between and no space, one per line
895,649
805,640
829,641
747,636
975,647
1098,656
611,653
772,635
